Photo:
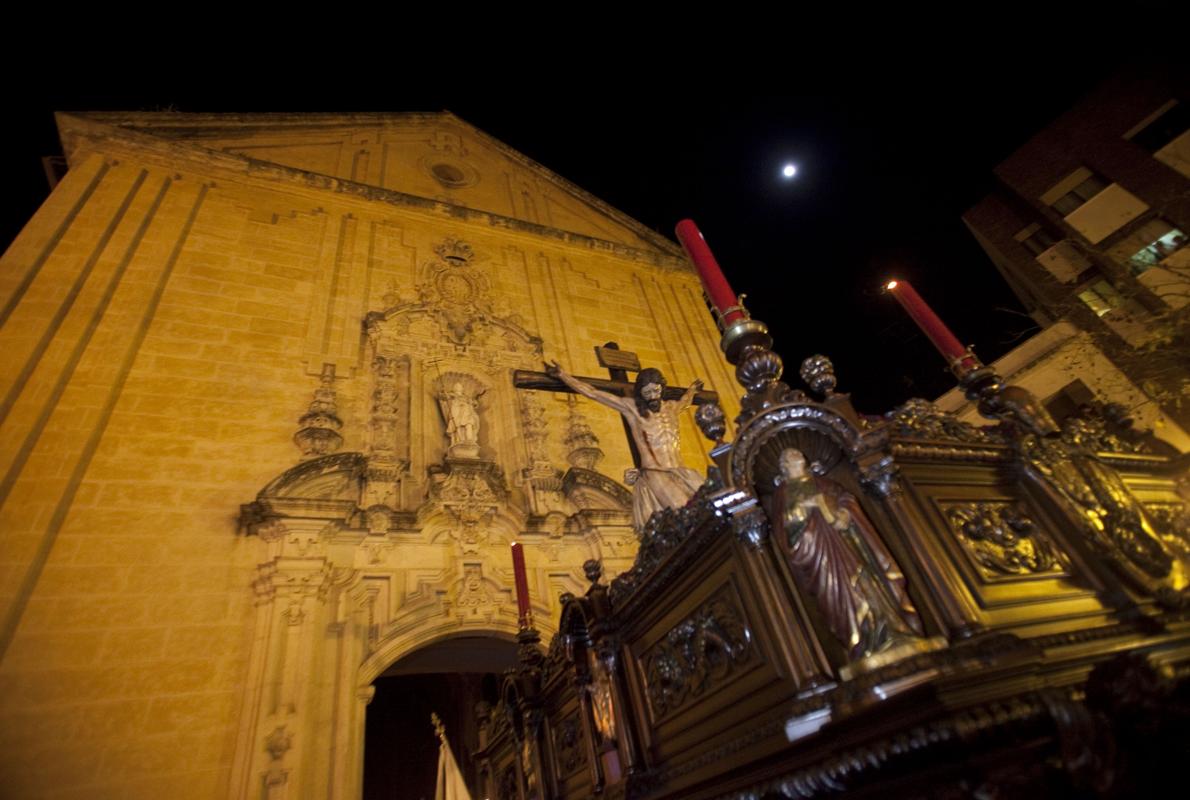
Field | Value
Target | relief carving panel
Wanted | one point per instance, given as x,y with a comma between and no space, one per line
698,653
1002,540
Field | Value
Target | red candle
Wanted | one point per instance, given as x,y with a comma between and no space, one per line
713,282
959,358
522,585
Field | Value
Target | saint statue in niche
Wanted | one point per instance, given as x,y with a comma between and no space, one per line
839,560
459,406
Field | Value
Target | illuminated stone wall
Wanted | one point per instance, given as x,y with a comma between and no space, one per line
168,316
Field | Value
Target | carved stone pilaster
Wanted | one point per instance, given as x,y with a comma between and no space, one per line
536,433
384,406
544,480
385,466
318,429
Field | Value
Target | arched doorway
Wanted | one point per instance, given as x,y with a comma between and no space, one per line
447,677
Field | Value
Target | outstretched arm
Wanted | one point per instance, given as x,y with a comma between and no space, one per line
555,370
688,397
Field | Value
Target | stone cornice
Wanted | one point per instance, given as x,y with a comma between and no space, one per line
105,131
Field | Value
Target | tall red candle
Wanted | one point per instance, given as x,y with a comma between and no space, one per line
959,358
713,282
522,585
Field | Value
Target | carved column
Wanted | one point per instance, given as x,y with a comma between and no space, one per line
291,589
544,481
385,465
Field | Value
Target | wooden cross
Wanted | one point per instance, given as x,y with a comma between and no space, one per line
618,364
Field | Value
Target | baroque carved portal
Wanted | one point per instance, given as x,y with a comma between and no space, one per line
406,540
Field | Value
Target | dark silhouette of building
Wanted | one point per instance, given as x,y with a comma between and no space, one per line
1088,226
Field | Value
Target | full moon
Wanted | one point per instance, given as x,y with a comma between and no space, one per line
789,170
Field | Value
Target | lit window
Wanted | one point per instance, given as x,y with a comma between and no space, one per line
1072,200
1101,297
1158,249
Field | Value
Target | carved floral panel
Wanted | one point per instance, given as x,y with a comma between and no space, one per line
1002,540
698,654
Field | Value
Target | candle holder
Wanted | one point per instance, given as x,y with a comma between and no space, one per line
529,648
721,314
966,363
742,334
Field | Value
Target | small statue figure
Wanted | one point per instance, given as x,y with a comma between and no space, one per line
839,560
662,481
459,408
600,689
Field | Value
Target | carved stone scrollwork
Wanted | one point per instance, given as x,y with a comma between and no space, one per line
474,595
697,654
471,492
576,478
1002,539
318,432
921,419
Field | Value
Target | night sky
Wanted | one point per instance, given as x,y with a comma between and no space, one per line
888,159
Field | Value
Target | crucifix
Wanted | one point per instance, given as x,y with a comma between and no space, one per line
618,364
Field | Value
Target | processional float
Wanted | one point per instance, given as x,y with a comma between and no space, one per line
906,604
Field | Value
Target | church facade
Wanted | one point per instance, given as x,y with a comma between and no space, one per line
260,437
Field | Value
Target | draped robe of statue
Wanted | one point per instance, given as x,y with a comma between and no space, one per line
462,420
838,559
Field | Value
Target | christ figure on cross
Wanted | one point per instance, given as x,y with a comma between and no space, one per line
662,481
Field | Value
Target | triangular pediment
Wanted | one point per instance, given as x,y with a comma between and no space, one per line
436,156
